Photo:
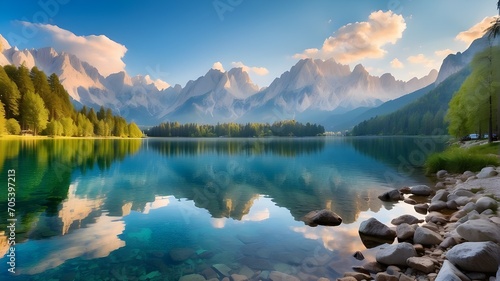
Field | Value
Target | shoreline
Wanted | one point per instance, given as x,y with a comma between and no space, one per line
459,239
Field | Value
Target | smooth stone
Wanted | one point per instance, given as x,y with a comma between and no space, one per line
347,278
192,277
404,232
487,172
466,175
421,208
280,276
209,273
410,201
419,248
452,205
475,256
395,254
462,200
373,227
409,219
422,190
222,269
392,195
382,276
359,256
448,242
426,236
431,226
479,230
462,192
393,270
440,185
322,217
441,173
404,277
374,267
405,190
424,265
357,275
441,195
180,254
449,272
485,203
238,277
436,217
437,206
245,270
360,269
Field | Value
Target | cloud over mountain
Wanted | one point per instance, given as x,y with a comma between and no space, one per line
98,50
360,40
475,32
261,71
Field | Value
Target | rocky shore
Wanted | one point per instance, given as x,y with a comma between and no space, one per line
458,240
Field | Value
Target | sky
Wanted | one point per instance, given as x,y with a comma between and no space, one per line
178,41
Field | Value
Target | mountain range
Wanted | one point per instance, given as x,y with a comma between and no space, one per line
324,92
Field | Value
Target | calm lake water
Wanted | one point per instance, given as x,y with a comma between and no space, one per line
164,208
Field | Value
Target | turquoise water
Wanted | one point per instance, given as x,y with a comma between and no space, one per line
158,209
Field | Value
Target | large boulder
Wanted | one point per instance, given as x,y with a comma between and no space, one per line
449,272
441,195
437,206
479,231
396,254
485,203
487,172
475,256
426,236
322,217
422,190
393,195
373,227
409,219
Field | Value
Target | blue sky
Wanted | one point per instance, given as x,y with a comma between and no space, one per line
180,40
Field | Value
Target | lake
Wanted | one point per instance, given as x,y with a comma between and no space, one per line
158,209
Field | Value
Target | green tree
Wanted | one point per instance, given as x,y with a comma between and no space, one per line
3,121
9,95
69,128
134,131
493,31
34,114
64,106
13,127
84,126
54,128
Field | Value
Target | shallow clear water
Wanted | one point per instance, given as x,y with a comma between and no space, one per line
164,208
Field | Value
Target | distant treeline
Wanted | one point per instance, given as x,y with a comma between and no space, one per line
280,128
34,104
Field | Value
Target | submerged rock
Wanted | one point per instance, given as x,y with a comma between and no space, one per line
192,277
475,256
422,190
393,195
180,254
322,217
280,276
373,227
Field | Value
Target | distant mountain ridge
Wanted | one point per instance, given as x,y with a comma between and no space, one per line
310,91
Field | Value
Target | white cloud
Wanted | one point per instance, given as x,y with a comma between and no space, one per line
218,66
261,71
396,63
422,59
97,50
360,40
443,53
474,32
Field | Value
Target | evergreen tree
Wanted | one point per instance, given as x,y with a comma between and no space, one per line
68,125
9,95
3,121
34,114
134,131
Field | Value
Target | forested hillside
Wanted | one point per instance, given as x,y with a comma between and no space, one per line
32,103
280,128
425,116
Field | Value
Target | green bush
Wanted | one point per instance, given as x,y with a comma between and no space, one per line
459,160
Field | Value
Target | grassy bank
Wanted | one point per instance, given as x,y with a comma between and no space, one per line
458,160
